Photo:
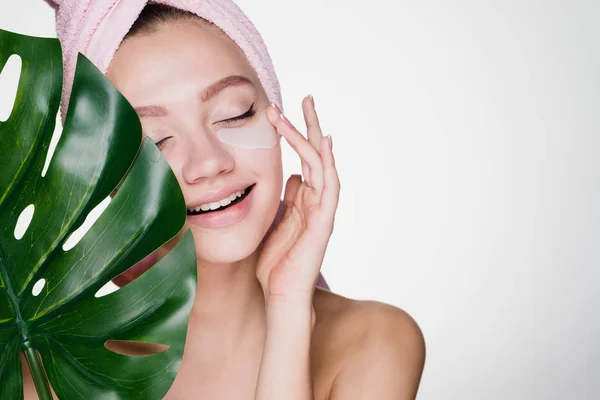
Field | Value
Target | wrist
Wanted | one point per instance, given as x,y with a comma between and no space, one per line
290,310
289,300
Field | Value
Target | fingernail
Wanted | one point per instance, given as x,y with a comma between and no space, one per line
312,99
330,142
283,117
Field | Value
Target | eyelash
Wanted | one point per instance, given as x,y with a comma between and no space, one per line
158,144
248,114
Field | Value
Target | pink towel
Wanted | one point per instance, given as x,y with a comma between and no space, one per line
96,28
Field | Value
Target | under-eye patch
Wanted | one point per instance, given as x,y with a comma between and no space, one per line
259,134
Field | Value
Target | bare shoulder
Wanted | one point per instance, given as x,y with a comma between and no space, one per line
364,325
375,346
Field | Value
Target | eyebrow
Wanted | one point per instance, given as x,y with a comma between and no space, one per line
206,94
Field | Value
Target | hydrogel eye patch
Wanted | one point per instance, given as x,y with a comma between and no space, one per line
260,134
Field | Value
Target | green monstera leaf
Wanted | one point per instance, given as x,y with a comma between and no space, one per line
63,329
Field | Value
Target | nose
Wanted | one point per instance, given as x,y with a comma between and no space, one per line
205,157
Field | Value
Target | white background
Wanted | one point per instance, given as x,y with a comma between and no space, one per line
467,135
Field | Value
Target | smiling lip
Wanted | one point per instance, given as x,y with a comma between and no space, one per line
218,195
225,217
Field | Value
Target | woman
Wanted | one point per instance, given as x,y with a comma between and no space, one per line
257,319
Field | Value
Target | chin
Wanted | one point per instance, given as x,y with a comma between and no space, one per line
234,243
234,231
226,250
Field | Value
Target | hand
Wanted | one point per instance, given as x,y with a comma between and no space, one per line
291,257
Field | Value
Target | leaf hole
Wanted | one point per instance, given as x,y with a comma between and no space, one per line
89,221
23,221
107,289
53,143
137,270
37,288
134,348
9,84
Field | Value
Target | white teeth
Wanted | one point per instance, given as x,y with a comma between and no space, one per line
218,204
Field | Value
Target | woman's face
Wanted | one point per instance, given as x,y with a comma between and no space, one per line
187,80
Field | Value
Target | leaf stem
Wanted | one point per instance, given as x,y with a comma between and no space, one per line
37,373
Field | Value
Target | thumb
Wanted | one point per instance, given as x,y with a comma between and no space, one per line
291,190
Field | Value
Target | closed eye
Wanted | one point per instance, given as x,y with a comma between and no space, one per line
248,114
162,142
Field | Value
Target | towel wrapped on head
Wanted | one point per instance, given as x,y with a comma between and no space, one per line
96,28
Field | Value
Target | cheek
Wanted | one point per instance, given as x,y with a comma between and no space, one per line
265,164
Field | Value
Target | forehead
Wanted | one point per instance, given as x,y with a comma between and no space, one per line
187,52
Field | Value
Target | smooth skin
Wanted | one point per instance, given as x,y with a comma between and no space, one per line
258,328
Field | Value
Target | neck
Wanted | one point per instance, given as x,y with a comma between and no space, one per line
229,307
227,292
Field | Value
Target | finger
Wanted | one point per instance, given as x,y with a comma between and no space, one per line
331,185
273,115
291,190
305,150
273,112
311,119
